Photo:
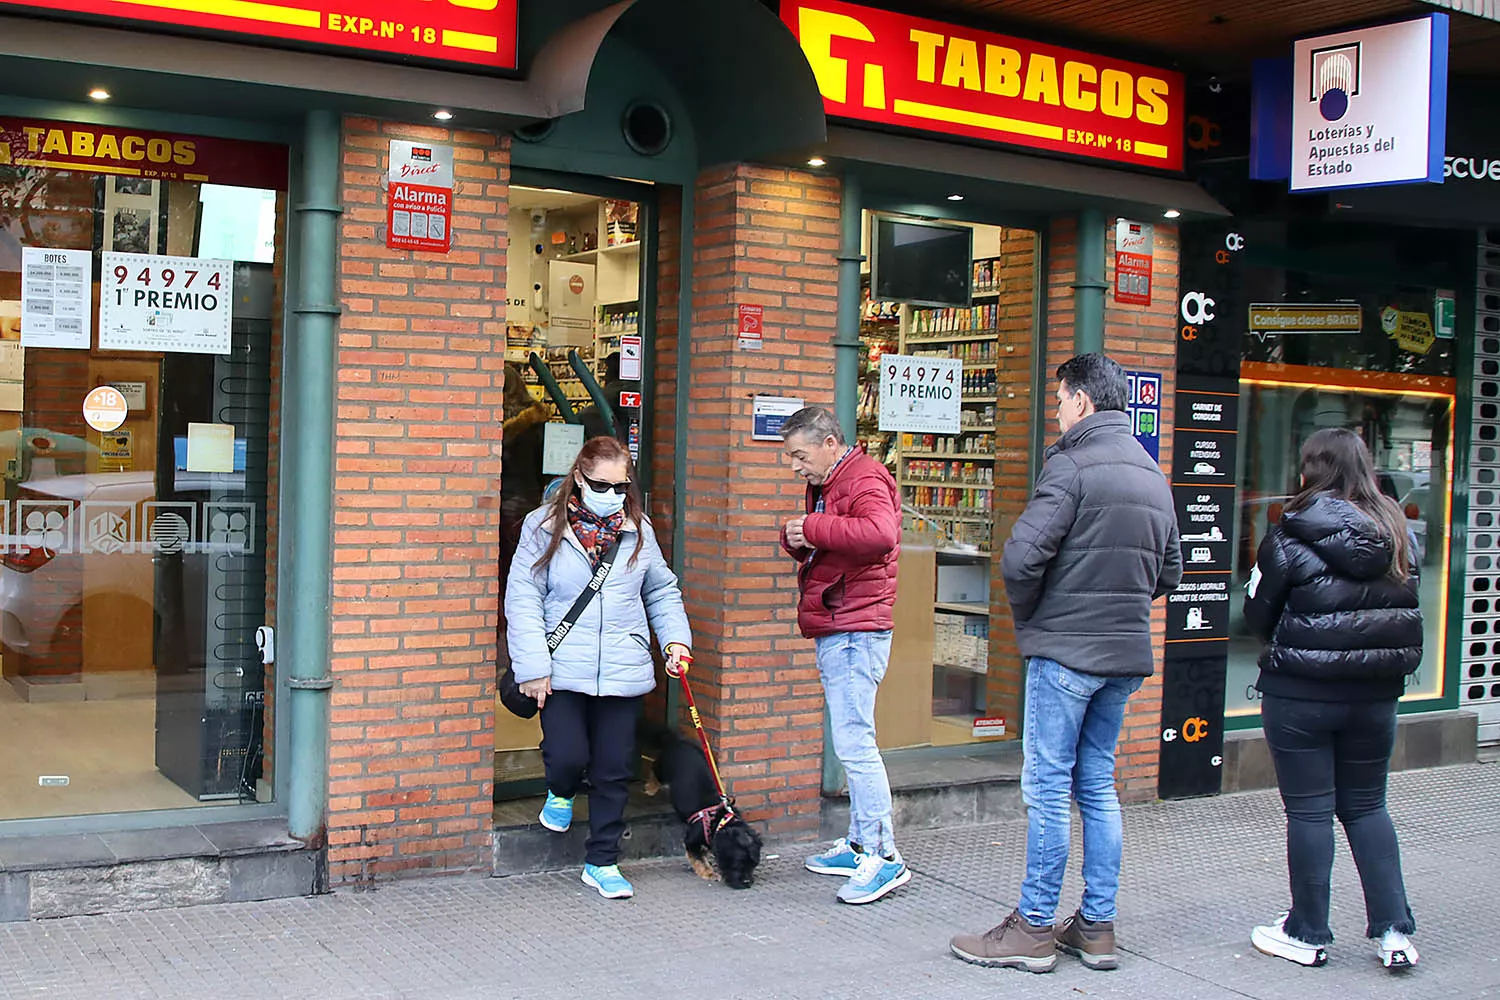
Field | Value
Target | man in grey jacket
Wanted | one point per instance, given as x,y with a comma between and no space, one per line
1094,547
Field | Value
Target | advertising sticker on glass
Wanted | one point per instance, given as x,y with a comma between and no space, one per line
921,395
169,304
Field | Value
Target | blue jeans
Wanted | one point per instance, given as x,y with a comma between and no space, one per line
1073,722
852,665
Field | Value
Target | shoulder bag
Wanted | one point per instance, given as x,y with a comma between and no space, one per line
522,705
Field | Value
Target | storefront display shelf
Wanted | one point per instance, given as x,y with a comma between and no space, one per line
962,609
588,255
978,555
960,456
947,484
979,669
946,514
956,338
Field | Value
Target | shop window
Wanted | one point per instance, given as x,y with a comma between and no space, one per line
955,673
1407,423
574,291
137,304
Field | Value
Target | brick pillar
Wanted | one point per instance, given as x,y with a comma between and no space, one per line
1139,337
763,236
1017,330
416,519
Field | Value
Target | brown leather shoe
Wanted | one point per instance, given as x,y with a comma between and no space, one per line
1093,943
1015,944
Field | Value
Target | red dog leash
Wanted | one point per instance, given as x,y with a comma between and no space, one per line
686,659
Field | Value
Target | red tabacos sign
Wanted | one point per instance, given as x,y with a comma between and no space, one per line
125,152
894,69
472,32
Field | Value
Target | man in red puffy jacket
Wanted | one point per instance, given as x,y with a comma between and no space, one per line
846,547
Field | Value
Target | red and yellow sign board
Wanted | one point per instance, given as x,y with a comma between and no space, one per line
894,69
98,149
473,32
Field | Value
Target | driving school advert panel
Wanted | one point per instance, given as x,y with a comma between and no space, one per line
893,69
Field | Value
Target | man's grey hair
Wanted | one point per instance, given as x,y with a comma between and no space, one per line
814,422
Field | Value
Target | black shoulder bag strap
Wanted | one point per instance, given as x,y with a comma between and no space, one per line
595,584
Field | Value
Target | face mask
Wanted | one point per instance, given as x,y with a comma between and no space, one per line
602,504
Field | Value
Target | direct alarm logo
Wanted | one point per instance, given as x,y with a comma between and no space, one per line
422,153
1335,79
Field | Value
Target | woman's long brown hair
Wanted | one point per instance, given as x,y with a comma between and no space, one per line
1336,461
595,452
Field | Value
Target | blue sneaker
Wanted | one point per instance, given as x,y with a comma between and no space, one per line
557,813
875,877
841,859
608,880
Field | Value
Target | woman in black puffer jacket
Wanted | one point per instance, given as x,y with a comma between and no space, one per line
1334,594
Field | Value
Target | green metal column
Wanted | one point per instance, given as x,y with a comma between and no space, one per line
846,336
306,558
1089,286
845,380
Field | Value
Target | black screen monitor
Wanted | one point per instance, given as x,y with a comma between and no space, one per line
922,263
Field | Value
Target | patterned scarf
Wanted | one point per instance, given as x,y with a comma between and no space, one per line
596,534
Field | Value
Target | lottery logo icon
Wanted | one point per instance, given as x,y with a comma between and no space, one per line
108,533
1335,80
229,528
169,532
45,530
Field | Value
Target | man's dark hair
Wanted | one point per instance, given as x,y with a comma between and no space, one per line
1099,376
814,422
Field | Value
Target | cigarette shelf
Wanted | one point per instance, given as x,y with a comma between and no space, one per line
956,456
956,338
947,484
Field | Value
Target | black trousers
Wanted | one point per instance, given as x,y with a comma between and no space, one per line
584,735
1332,759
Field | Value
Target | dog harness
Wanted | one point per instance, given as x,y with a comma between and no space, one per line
713,819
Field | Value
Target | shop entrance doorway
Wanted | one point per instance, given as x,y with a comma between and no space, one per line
578,329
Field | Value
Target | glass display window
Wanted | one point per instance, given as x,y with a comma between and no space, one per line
139,294
1407,422
955,675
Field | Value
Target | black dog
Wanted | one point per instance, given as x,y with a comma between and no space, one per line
711,828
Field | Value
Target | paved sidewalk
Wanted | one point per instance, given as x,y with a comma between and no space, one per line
1198,875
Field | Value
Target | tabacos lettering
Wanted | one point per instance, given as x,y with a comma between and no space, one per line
877,65
87,144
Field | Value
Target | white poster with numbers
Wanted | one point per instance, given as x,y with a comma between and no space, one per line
56,298
921,395
149,302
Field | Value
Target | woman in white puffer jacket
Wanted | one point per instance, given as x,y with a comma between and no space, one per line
591,686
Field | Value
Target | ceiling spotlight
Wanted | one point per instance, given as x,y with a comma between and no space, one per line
443,116
100,94
817,161
1171,213
955,197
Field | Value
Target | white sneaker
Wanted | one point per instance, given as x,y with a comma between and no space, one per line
1397,951
1273,940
